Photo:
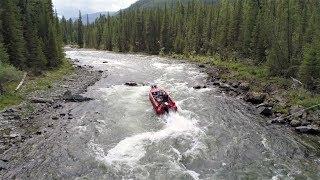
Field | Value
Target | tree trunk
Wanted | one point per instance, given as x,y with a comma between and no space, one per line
21,83
1,89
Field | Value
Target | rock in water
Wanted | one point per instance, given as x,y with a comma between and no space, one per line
225,87
295,123
296,111
41,100
199,87
244,86
308,129
54,118
278,120
265,111
255,98
131,84
69,97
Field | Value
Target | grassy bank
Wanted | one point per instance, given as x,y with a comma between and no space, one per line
259,79
45,81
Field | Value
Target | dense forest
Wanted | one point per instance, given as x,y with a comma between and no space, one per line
30,38
282,35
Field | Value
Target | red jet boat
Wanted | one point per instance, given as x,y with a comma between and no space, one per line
162,103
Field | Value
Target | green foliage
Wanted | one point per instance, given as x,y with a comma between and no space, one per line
4,58
267,33
310,68
80,31
30,40
31,35
8,74
35,83
9,99
13,34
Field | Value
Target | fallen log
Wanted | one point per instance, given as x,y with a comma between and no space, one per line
21,82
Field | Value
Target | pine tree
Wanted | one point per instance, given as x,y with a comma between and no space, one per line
108,34
249,21
64,30
139,33
274,33
4,58
151,37
36,60
310,68
50,37
80,31
166,36
12,31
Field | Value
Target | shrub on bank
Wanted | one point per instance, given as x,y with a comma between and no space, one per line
8,74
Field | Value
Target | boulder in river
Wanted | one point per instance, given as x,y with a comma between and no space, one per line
265,111
255,98
11,110
278,120
311,129
199,87
69,97
41,101
235,84
216,83
295,123
226,87
131,83
244,86
213,72
54,118
296,111
269,88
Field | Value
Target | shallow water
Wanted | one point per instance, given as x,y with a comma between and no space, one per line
212,136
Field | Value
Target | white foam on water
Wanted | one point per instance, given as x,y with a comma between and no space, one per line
129,151
175,68
193,174
96,149
277,177
125,93
159,65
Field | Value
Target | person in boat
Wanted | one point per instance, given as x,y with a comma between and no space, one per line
162,97
165,97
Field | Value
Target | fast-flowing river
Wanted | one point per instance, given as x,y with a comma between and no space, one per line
212,136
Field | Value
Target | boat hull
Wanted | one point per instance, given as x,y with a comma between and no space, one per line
162,108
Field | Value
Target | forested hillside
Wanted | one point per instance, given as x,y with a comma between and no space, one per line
162,3
282,35
92,17
30,38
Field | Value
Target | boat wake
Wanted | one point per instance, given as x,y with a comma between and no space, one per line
130,152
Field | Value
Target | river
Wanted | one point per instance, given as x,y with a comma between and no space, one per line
212,136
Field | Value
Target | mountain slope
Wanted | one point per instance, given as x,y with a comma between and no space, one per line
161,3
92,17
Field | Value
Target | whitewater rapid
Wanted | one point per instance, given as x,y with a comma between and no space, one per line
212,136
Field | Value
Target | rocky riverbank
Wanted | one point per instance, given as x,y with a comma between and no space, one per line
300,119
44,110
